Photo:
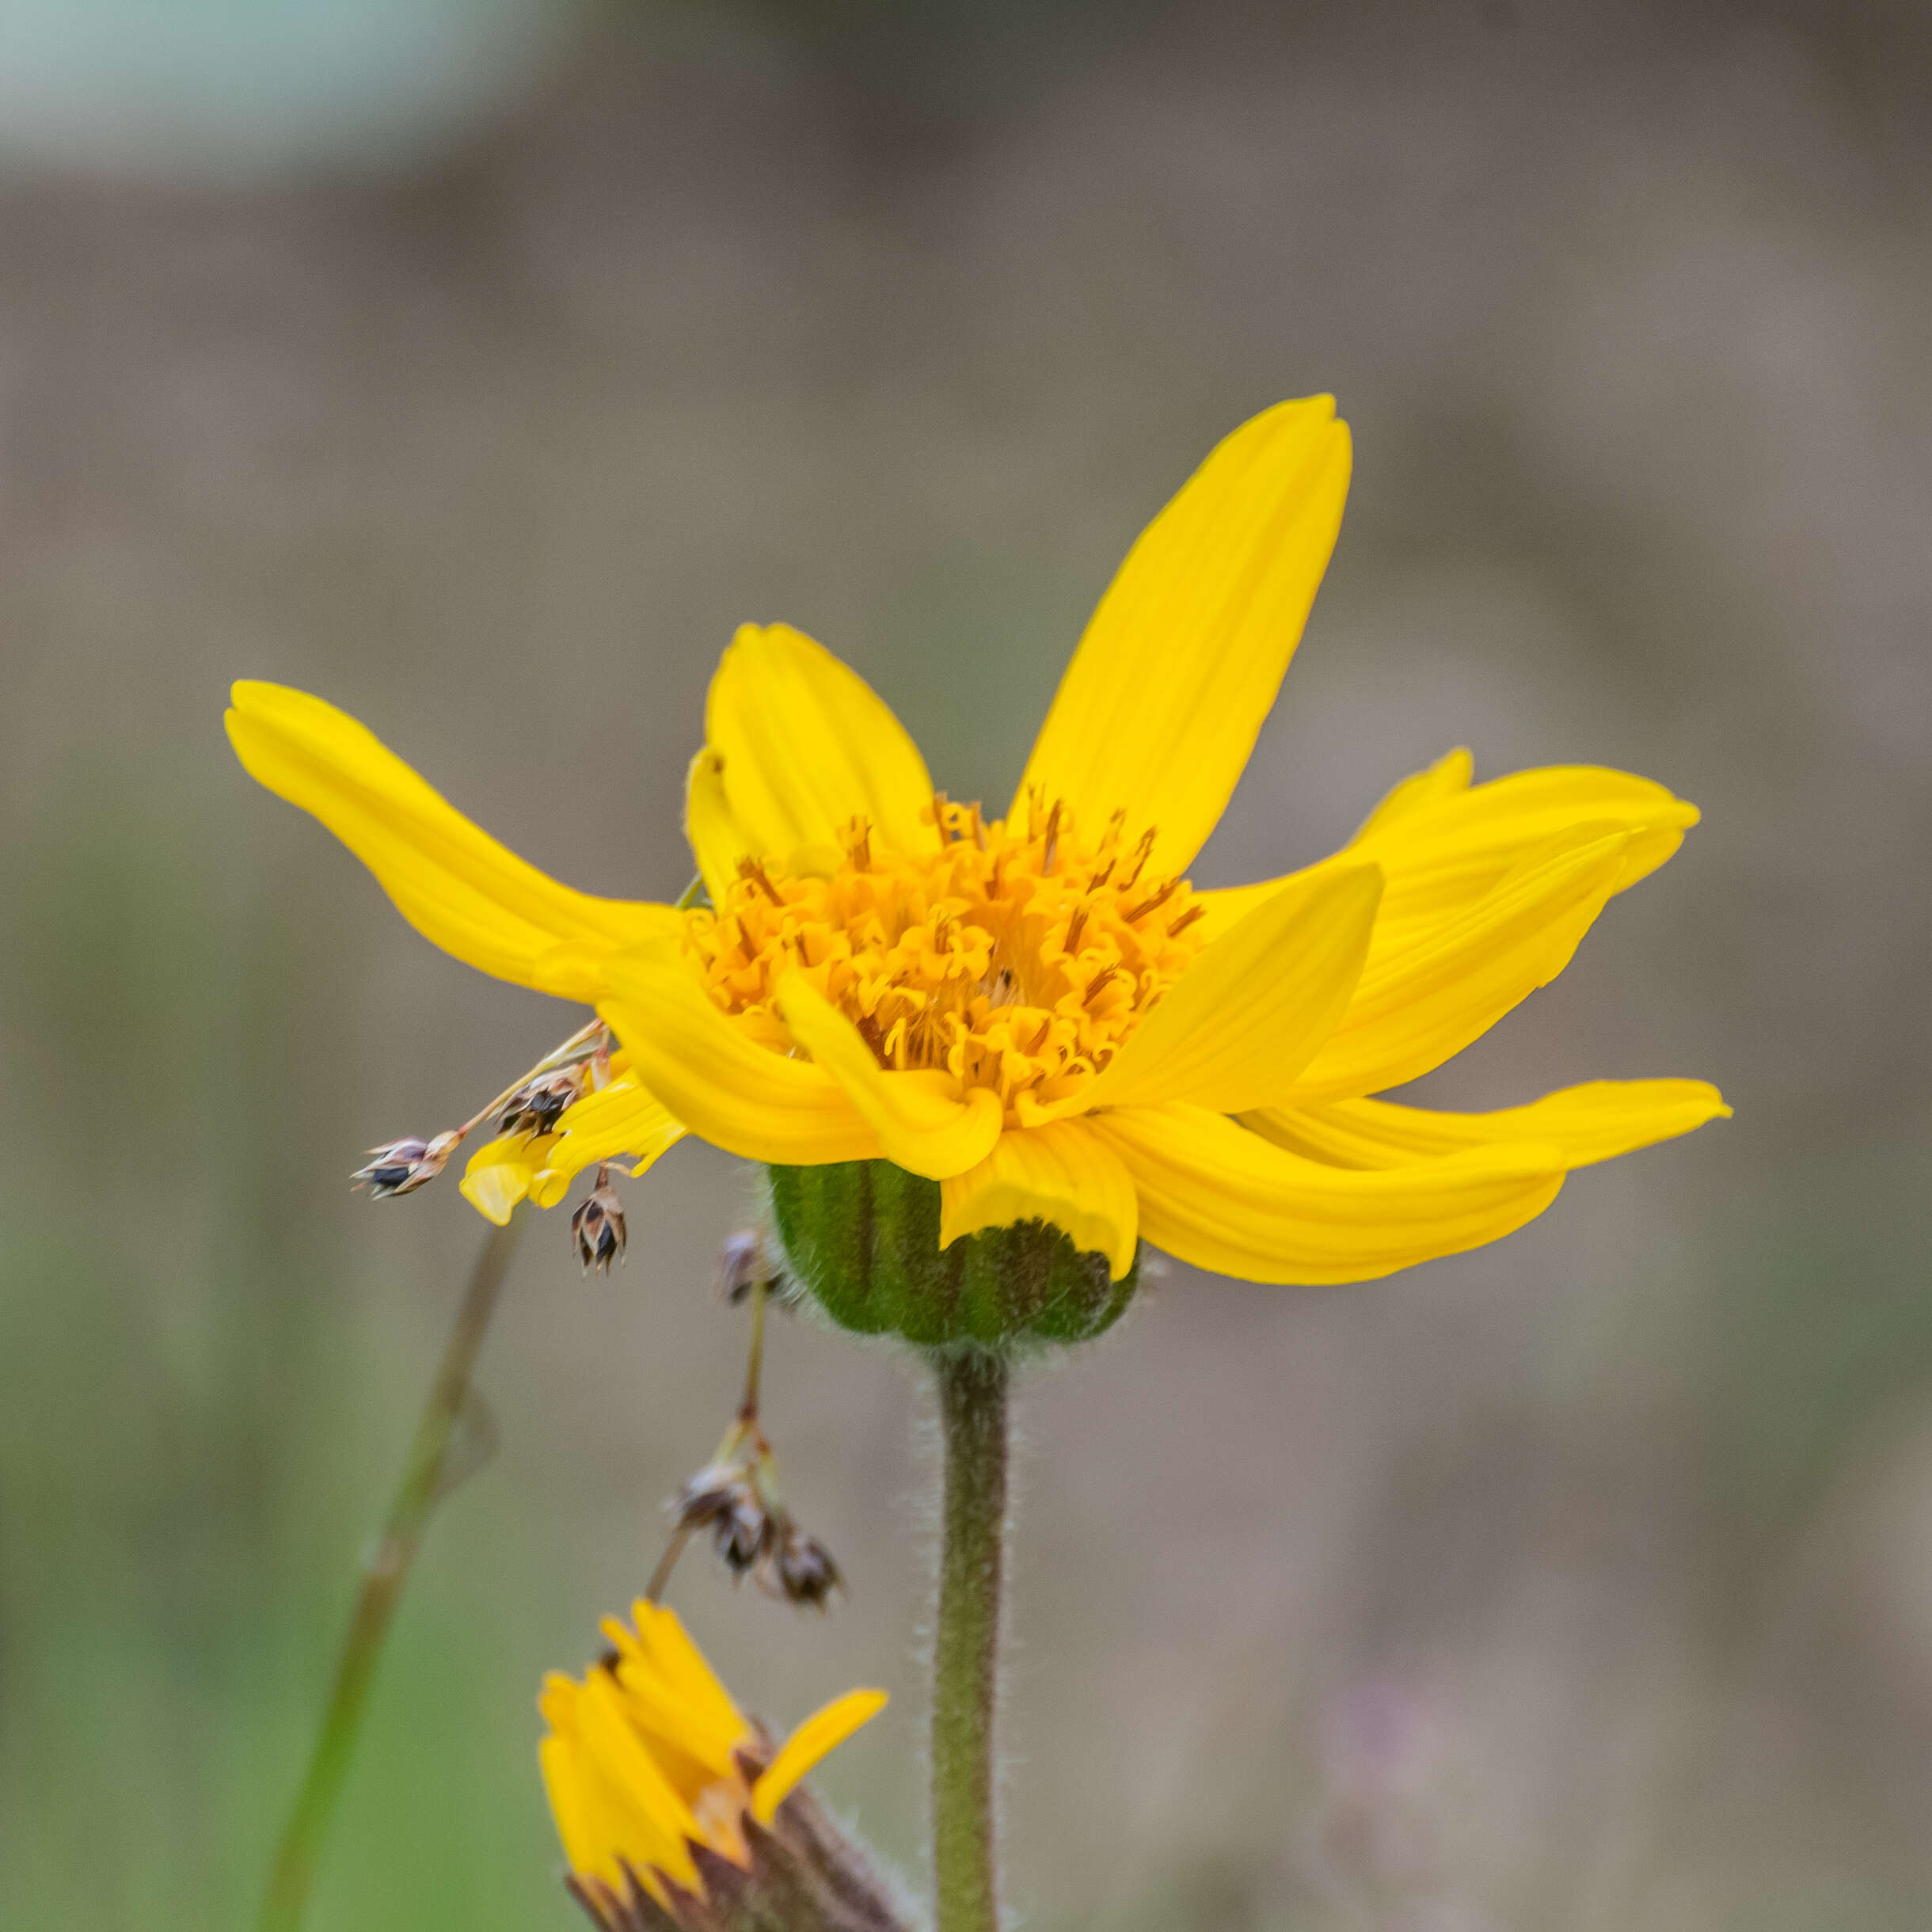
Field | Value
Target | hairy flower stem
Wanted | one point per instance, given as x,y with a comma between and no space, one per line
972,1412
425,1480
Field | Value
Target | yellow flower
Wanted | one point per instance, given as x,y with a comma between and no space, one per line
649,1758
1038,1012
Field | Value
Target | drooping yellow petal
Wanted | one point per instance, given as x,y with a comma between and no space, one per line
623,1118
1244,1020
1442,844
1216,1195
1415,1008
717,842
452,882
922,1123
499,1173
1060,1174
817,1737
719,1082
805,745
1181,662
1593,1122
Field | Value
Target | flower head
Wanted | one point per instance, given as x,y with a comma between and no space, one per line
655,1776
1035,1015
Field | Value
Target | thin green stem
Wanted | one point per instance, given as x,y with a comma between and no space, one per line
384,1572
972,1413
754,1366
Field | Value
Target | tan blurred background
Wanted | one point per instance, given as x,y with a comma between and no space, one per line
479,366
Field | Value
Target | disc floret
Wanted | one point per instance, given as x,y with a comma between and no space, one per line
1016,957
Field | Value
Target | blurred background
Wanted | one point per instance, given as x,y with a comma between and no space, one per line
479,364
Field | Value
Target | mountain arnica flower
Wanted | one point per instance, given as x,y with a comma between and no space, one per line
982,1058
677,1812
932,1023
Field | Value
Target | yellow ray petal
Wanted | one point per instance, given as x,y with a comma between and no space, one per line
817,1737
1441,845
806,744
674,1699
1179,664
1415,1008
452,882
717,842
584,1845
622,1119
1447,779
923,1124
1060,1173
657,1820
1593,1122
1249,1014
719,1082
499,1173
1214,1194
613,1804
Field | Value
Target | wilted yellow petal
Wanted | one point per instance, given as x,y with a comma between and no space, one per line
1060,1174
500,1172
1216,1195
1179,664
623,1118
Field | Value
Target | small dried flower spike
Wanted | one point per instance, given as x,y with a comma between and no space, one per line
724,1498
402,1166
597,1227
709,1495
744,1535
539,1104
807,1573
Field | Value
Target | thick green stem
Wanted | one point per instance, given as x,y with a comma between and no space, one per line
384,1573
972,1412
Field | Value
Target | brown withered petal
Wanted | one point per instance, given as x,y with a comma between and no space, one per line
597,1227
402,1166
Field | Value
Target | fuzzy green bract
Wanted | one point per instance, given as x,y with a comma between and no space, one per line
863,1237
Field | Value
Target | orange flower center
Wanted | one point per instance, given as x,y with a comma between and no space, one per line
1016,960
